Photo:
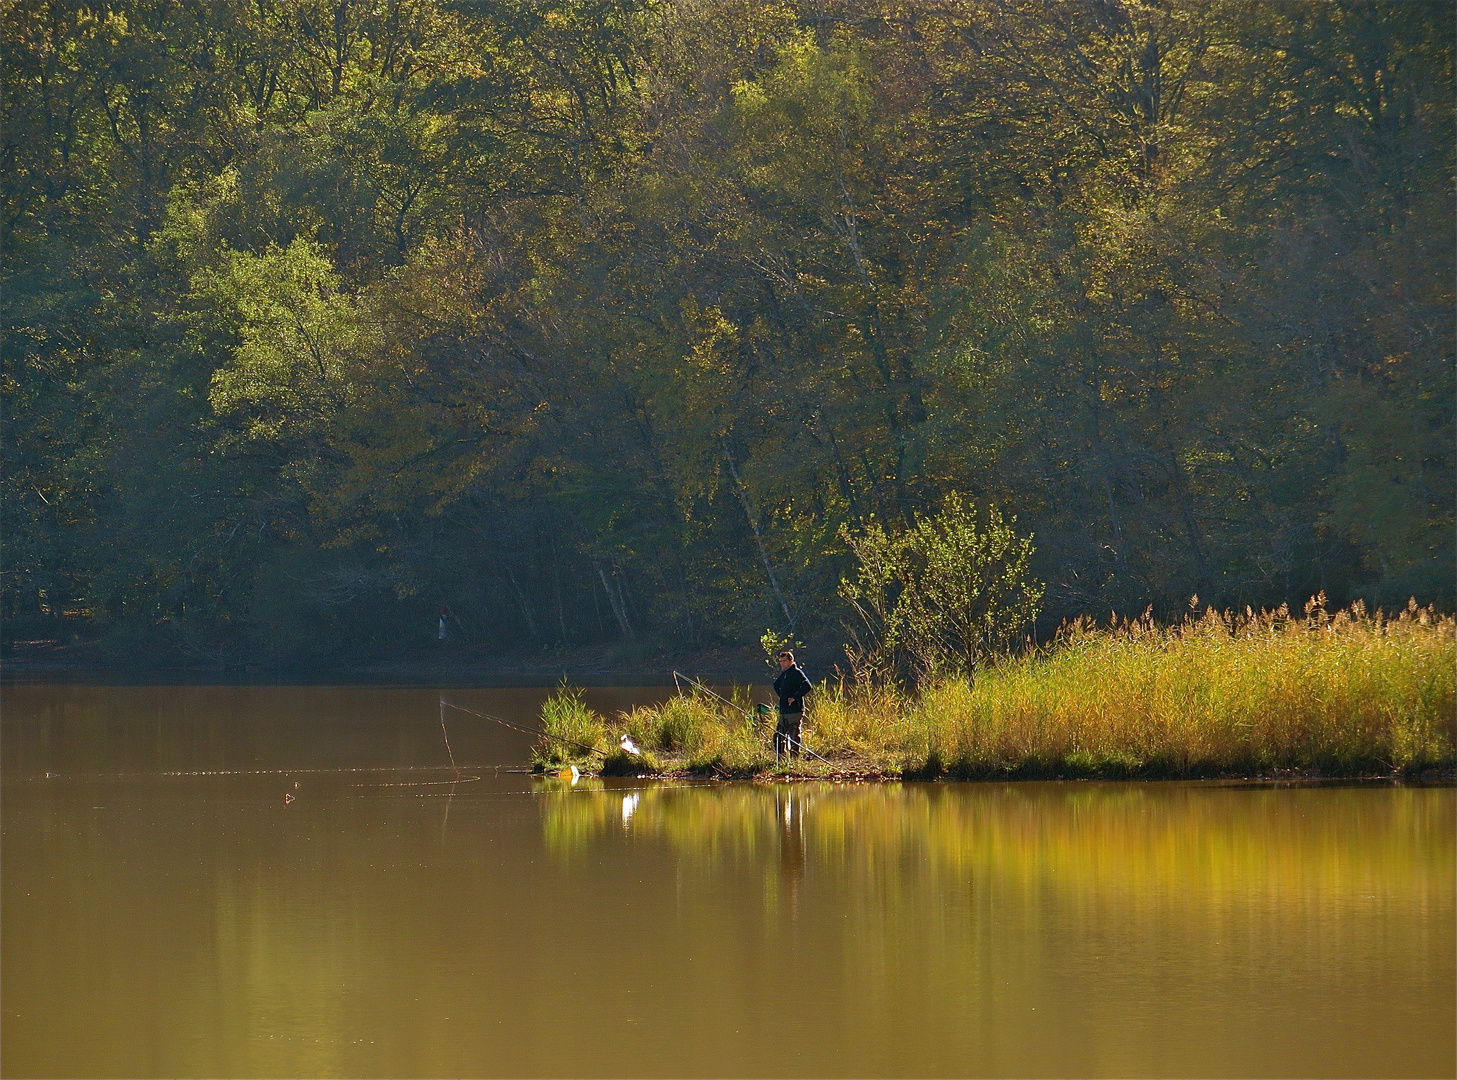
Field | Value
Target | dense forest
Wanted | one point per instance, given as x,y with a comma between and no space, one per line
598,320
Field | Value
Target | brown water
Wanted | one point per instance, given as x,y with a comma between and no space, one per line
156,924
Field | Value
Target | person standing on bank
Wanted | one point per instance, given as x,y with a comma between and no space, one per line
791,684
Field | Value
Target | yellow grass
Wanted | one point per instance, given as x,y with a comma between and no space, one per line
1248,693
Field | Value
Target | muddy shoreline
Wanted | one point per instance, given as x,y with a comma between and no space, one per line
839,775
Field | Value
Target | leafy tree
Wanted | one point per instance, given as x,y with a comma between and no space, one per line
939,596
601,319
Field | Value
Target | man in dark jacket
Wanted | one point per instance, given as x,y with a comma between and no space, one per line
791,684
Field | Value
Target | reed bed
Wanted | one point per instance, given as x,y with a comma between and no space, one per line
1225,693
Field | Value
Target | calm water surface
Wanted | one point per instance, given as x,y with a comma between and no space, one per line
159,923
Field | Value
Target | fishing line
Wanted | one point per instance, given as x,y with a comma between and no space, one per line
449,752
255,772
526,730
811,753
459,779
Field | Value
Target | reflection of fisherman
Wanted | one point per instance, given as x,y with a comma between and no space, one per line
791,845
791,684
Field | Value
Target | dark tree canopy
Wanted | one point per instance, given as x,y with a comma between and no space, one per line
597,319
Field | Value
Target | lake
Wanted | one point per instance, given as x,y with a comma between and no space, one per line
292,881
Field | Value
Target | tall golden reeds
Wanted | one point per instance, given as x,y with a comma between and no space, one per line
1336,694
1340,694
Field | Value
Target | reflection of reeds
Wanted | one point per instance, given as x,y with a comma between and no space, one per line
1225,693
1133,840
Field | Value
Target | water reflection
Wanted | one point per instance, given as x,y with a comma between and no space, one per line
1128,912
171,925
791,845
1146,843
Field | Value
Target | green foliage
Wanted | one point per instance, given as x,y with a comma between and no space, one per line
940,596
773,643
698,733
298,338
597,321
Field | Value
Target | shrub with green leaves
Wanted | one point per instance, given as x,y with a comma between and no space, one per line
938,597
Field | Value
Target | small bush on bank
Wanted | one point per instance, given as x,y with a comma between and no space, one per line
933,599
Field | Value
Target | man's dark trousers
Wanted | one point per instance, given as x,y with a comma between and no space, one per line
786,735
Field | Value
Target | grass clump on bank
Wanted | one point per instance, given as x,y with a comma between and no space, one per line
689,733
1347,694
571,730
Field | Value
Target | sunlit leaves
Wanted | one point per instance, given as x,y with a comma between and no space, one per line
298,337
941,595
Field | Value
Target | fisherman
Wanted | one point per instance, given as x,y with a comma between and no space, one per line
791,684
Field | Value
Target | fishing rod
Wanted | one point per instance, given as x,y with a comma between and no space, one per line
694,682
525,730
